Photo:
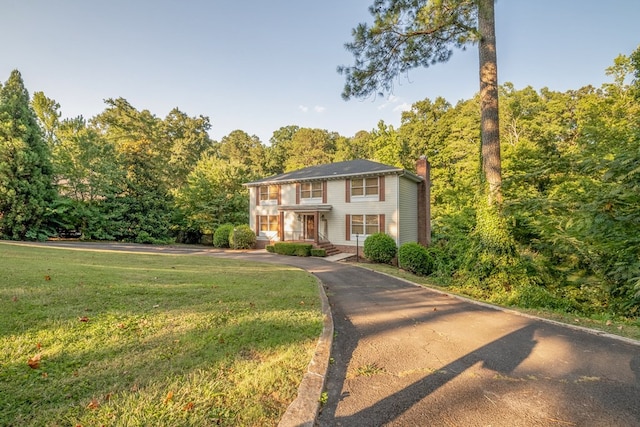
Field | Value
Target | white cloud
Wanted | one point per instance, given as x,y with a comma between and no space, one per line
402,107
391,100
303,108
319,109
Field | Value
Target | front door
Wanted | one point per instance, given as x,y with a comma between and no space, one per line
309,227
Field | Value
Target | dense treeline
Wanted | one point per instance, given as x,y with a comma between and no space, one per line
566,237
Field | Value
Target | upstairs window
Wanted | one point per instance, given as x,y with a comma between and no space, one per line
365,189
269,194
311,190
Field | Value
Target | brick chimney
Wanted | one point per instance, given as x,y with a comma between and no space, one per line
423,170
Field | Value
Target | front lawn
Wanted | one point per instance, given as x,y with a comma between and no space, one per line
102,338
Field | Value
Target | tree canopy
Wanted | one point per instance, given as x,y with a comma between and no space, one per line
406,34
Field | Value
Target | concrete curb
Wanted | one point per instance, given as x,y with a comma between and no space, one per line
304,409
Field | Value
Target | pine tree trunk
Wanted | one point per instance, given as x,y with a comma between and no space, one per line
489,123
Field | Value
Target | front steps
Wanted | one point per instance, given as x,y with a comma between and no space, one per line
328,248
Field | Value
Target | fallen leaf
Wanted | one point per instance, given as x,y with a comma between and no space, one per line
121,326
156,305
47,277
188,406
609,323
14,299
34,362
83,319
169,397
435,309
38,346
45,375
620,327
94,404
107,397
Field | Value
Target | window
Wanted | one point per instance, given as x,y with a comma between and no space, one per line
364,188
268,223
269,193
365,224
311,190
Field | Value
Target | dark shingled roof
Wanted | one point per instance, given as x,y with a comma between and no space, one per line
334,171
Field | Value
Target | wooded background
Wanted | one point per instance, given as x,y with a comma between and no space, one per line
568,236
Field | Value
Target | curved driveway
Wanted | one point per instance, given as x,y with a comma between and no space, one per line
404,355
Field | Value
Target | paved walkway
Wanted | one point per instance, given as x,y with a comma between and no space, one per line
409,356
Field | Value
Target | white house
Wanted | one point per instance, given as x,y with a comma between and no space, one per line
341,204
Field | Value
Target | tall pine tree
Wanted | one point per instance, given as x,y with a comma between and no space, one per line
26,187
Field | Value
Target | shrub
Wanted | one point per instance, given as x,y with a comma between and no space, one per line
242,237
221,236
380,248
294,249
270,248
318,252
415,258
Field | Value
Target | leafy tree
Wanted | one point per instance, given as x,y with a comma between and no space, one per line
239,147
142,206
356,147
422,129
310,147
277,151
409,34
87,173
187,139
26,188
48,112
214,195
387,147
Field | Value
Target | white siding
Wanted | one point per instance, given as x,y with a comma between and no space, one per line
337,216
408,211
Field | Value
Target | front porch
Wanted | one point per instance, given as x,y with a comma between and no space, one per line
309,223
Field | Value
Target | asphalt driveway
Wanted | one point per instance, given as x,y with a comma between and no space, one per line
404,355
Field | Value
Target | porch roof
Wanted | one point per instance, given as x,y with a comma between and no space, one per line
305,208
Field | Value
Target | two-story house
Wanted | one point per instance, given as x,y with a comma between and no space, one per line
342,203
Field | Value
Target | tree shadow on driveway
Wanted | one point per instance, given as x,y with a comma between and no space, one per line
518,345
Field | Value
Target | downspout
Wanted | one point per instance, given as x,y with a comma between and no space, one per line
398,216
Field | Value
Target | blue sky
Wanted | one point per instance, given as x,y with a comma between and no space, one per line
260,65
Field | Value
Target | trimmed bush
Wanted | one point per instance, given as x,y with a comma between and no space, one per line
242,237
293,249
221,236
415,258
380,248
270,248
318,252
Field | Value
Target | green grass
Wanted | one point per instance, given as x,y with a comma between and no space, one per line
136,339
621,326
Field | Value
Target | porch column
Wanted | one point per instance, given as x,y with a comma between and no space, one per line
281,226
316,220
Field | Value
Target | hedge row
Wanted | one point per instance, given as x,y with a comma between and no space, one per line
295,249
